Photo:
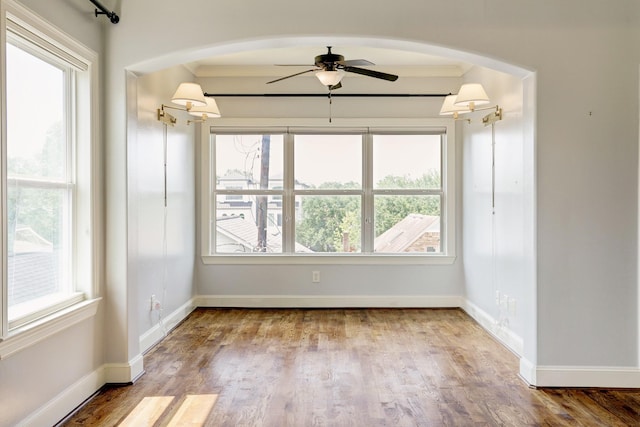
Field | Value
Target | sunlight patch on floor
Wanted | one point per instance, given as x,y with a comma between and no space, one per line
193,411
147,412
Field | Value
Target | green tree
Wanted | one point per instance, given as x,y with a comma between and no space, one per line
324,224
37,208
327,220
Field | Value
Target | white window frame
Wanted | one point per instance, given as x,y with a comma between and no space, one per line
85,208
448,254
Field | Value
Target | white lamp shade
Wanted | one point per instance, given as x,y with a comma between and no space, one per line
449,108
189,94
330,78
210,110
471,94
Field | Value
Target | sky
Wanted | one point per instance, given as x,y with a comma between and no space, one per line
323,158
34,101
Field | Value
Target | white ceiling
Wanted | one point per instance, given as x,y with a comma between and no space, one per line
268,62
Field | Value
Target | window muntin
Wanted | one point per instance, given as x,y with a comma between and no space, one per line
39,180
49,264
313,178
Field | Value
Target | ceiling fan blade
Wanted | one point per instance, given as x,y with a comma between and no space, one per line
334,87
355,62
372,73
292,75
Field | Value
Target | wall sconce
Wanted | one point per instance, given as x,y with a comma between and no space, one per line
469,97
210,110
191,99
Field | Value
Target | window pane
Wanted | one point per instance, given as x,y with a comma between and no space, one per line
240,219
407,224
36,142
328,223
248,161
406,162
328,161
38,243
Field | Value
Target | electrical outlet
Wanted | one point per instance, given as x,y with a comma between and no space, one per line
315,276
155,304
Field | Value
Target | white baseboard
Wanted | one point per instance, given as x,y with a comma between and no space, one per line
161,329
73,396
327,301
579,376
68,400
124,373
503,334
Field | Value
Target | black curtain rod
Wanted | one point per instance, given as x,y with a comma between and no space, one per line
327,95
104,11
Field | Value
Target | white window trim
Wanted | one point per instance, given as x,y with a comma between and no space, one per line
87,209
448,206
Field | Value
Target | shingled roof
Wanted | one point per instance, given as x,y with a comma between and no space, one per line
414,233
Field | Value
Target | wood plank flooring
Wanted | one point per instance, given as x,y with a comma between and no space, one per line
345,367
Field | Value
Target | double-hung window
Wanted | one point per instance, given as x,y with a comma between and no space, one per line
49,137
358,193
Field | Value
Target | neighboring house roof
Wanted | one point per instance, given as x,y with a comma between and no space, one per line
27,240
32,268
406,233
242,236
32,275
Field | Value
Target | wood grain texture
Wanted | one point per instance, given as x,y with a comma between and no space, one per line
349,367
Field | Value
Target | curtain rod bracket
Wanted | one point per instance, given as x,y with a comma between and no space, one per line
101,10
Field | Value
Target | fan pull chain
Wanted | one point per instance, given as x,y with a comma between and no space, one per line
330,104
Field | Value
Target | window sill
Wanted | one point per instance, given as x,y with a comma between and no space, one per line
34,332
351,259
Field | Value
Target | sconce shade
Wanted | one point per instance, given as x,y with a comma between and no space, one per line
189,95
470,95
449,108
330,78
210,110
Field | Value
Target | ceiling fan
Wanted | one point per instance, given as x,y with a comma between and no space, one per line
330,69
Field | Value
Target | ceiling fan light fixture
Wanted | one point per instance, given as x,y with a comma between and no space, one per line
330,78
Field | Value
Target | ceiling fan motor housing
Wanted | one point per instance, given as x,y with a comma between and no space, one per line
328,61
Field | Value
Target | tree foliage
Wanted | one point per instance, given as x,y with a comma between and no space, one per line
326,220
37,208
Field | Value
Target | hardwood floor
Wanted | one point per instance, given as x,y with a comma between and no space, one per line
343,367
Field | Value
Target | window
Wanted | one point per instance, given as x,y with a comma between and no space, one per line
49,214
352,192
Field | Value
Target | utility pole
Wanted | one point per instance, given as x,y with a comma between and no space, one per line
263,201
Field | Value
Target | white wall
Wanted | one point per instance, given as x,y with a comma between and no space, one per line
70,360
161,240
585,57
495,256
342,284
